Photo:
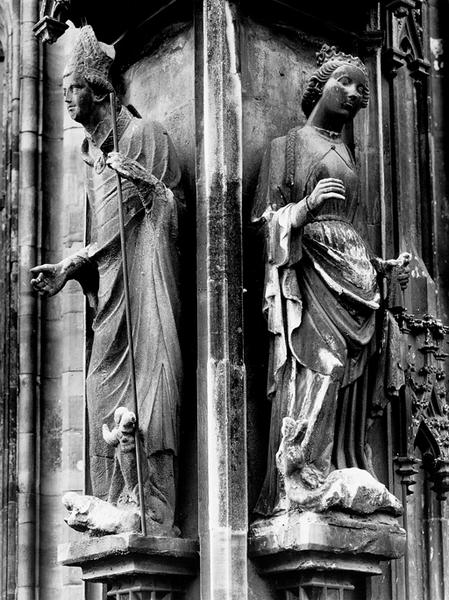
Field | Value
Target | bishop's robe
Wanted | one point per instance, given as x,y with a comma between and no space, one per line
151,227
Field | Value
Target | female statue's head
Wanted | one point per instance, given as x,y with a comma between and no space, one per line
340,82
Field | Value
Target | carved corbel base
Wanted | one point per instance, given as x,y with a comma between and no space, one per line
134,567
324,556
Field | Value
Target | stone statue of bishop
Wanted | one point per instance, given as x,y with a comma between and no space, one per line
148,165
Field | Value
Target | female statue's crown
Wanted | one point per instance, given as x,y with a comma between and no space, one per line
331,54
92,59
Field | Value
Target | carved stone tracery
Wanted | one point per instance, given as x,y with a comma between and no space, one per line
404,43
328,590
427,408
143,588
52,22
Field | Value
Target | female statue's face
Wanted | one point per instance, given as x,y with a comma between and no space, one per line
343,92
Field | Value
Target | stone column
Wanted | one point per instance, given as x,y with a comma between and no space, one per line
10,41
72,319
221,374
439,135
50,515
28,324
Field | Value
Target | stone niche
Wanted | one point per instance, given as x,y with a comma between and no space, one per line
304,556
294,556
276,65
159,83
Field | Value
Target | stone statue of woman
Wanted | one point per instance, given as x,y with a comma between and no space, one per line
148,165
321,295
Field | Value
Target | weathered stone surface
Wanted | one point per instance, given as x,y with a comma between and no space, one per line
135,357
87,513
223,513
109,558
160,85
352,489
321,294
294,549
280,71
307,550
377,536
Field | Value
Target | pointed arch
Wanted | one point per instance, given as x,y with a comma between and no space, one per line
409,40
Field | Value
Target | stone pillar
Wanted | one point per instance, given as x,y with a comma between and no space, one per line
439,135
9,199
122,567
28,323
72,320
221,374
51,524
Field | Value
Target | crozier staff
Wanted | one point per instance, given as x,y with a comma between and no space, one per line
148,165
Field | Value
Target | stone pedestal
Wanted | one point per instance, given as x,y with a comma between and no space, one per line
134,567
324,557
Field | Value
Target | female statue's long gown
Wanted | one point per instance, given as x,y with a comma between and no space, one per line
320,300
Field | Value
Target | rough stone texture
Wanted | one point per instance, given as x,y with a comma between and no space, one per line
160,85
92,515
152,86
67,208
275,61
353,490
223,517
52,340
147,376
9,128
378,536
163,563
288,547
276,65
321,293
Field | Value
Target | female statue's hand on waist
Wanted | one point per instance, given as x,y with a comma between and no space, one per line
326,189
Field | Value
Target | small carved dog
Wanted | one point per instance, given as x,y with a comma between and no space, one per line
124,476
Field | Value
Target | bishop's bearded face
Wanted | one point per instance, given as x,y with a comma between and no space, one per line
79,97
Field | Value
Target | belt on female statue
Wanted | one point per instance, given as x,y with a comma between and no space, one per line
332,218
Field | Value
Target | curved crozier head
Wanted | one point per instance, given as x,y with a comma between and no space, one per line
340,82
